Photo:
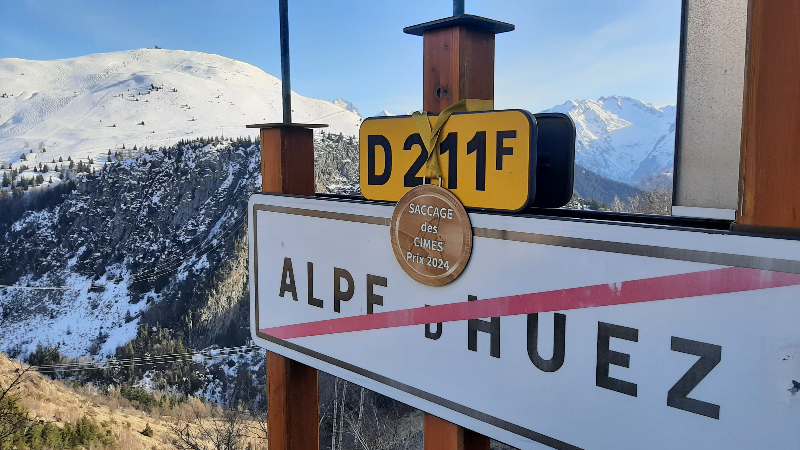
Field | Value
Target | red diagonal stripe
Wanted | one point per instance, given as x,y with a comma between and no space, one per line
718,281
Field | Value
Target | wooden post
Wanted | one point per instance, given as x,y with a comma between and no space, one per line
458,59
293,404
287,167
769,184
287,160
457,63
443,435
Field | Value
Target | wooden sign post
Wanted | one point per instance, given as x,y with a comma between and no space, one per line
458,59
769,188
287,167
457,63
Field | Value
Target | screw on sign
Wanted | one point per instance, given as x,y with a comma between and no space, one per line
431,235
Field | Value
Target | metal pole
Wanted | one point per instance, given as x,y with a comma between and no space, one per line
283,11
458,7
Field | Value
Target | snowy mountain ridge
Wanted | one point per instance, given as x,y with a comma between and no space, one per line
619,137
348,105
622,138
82,107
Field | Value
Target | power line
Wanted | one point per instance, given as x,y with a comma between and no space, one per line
63,288
206,250
182,257
177,258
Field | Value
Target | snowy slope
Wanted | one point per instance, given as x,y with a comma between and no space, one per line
145,236
85,106
348,105
622,138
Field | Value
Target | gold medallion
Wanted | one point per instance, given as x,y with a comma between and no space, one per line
431,235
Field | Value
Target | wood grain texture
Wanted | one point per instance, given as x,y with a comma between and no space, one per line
458,63
287,167
287,160
769,183
293,402
442,435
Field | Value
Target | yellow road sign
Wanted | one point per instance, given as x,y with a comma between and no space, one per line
488,158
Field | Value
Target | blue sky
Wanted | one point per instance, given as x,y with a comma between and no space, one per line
355,49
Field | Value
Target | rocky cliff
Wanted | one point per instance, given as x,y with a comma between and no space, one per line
143,241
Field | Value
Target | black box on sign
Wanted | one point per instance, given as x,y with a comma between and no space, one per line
555,161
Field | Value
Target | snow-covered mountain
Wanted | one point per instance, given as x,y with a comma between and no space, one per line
622,138
619,137
85,106
81,108
348,105
384,113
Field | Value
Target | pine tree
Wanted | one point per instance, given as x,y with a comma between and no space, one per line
6,181
60,159
22,157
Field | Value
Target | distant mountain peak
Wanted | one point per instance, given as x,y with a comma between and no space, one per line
384,113
348,105
622,138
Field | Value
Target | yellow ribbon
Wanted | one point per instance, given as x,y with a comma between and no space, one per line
430,136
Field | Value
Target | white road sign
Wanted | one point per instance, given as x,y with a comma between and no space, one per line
558,334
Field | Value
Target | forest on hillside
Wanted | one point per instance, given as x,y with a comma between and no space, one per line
158,240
